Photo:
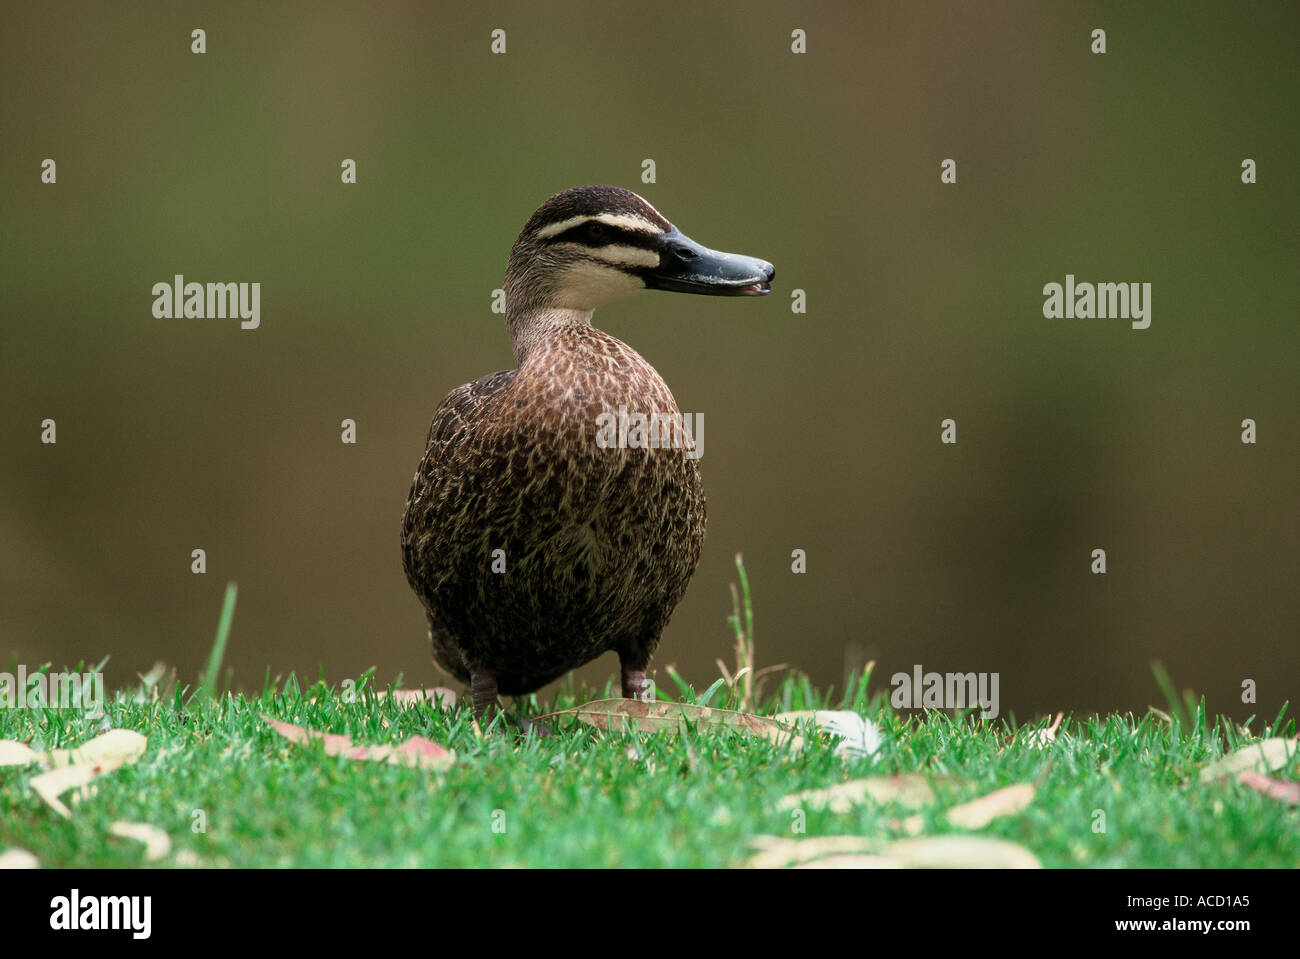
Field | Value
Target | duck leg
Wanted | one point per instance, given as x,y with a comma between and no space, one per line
483,687
635,685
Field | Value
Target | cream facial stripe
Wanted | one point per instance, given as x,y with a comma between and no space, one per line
626,221
616,255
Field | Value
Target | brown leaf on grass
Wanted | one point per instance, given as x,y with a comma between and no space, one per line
978,813
420,752
335,744
157,844
416,751
14,753
1259,757
909,789
615,714
1279,789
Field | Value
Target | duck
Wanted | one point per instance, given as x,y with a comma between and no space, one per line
533,546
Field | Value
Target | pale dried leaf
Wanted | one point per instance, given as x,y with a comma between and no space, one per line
859,737
1279,789
14,753
913,825
157,844
978,813
851,861
776,852
910,789
960,852
1260,757
335,744
18,859
416,751
49,786
1041,738
616,714
937,852
76,768
116,745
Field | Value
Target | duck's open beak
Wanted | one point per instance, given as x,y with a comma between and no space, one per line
687,267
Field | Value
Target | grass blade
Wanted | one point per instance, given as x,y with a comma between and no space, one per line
208,687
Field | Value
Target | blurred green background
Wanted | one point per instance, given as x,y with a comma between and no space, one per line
822,430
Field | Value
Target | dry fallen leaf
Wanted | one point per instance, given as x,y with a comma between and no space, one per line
1279,789
416,751
116,745
1260,757
335,744
776,852
910,789
960,852
850,852
18,859
978,813
157,844
672,717
49,786
1042,738
16,754
187,858
913,825
851,861
76,768
859,737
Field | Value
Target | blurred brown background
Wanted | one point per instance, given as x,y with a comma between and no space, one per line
822,430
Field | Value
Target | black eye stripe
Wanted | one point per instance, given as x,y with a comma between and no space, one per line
609,236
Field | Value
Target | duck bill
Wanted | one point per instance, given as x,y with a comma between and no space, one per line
689,267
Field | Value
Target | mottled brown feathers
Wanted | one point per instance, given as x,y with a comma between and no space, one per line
599,544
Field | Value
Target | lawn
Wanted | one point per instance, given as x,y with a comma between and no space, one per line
229,779
228,790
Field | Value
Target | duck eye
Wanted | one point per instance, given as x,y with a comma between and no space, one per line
595,231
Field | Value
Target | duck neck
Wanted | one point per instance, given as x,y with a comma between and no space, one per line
531,326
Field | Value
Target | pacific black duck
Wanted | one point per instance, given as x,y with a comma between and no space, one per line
533,546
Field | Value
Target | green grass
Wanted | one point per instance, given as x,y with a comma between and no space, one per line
583,797
588,798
